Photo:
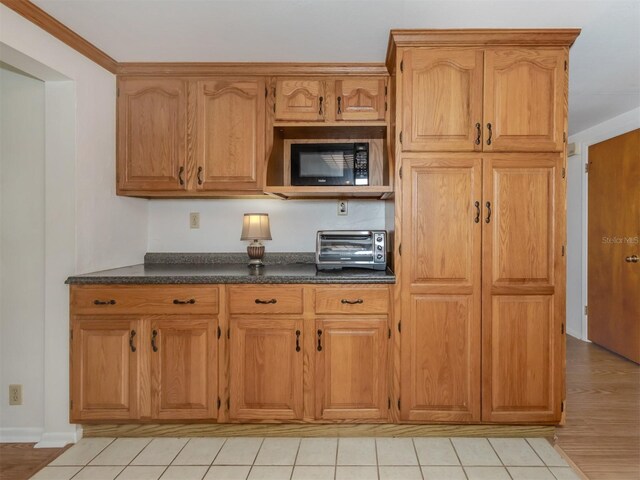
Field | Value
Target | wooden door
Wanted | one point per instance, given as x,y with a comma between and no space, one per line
523,288
301,99
440,335
105,357
183,367
441,99
351,374
266,368
614,250
230,134
360,99
152,140
525,99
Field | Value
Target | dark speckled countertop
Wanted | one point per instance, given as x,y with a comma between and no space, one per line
228,268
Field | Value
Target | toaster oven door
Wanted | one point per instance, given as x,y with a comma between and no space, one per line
352,249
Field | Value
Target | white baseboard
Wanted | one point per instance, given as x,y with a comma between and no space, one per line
20,435
59,439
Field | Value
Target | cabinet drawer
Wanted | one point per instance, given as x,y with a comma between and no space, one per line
352,300
249,299
147,299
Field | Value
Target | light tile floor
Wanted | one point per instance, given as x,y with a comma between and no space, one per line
309,459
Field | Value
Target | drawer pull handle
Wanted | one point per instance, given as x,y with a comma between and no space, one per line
339,106
488,219
131,345
266,302
181,176
477,205
104,302
479,134
490,134
191,301
352,302
319,340
200,181
154,334
297,340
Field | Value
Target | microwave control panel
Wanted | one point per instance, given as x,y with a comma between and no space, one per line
361,164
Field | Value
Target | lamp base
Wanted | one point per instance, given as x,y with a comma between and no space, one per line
255,251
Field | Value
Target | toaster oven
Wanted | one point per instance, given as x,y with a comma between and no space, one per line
351,249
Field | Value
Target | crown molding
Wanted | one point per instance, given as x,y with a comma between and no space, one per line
42,19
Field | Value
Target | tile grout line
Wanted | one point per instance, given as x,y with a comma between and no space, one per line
255,458
224,442
295,460
335,464
499,458
415,450
464,471
375,446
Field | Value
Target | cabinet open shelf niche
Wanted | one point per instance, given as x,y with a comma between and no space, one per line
278,179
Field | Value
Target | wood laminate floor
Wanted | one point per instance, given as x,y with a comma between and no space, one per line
19,461
602,431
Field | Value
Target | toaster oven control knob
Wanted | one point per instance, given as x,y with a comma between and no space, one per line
379,256
378,239
379,247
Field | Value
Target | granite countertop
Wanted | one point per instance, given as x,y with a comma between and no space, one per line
228,268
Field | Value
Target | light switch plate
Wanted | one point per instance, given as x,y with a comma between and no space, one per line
194,220
15,394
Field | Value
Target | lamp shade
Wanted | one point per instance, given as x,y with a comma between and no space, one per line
255,226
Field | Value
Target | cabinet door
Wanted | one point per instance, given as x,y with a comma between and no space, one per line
442,99
183,367
152,124
266,368
360,99
105,355
230,134
525,99
351,369
440,338
523,293
301,99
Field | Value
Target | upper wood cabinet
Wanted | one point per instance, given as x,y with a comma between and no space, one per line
360,99
230,134
519,105
152,134
104,365
301,99
442,99
525,99
354,99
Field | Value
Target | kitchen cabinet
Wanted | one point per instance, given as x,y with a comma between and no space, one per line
519,105
351,373
230,134
105,368
356,99
152,134
191,137
183,367
523,288
440,297
266,368
151,353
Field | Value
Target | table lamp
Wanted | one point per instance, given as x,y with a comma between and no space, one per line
255,227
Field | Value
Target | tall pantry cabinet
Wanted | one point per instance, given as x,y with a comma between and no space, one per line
480,132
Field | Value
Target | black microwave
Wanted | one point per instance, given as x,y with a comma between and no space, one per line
330,164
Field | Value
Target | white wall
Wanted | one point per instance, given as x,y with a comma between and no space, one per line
577,184
293,223
22,264
87,226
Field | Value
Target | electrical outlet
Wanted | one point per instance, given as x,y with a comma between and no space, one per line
194,220
15,394
343,207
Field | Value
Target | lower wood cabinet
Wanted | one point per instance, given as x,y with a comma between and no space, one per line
104,368
266,368
183,367
351,373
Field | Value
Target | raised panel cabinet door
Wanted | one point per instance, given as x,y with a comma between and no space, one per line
525,99
266,368
104,368
523,296
361,99
301,99
183,367
351,369
442,100
441,267
230,134
152,140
